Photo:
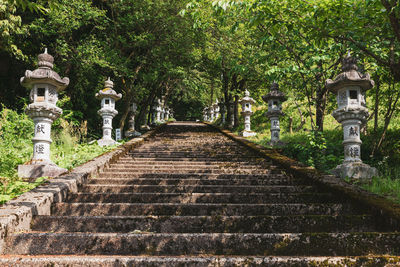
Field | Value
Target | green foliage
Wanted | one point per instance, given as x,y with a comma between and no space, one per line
10,189
321,150
387,184
16,132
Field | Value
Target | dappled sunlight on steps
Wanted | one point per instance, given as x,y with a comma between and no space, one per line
190,196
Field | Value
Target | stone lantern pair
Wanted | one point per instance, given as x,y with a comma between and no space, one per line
108,97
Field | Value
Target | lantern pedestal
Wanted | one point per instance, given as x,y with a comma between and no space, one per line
355,170
34,170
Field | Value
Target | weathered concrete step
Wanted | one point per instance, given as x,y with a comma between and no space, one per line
95,188
191,155
318,244
192,159
191,164
197,261
234,198
199,168
163,175
194,171
198,209
204,224
171,181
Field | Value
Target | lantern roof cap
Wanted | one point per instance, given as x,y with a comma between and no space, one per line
350,76
44,74
247,98
108,91
274,94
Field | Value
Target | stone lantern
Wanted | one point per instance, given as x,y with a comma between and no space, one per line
205,114
45,84
108,97
246,103
350,87
211,110
167,113
274,99
222,110
216,109
158,109
131,132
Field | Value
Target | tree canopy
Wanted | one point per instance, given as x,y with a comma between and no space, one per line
195,51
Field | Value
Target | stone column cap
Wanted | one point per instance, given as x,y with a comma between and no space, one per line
350,76
44,74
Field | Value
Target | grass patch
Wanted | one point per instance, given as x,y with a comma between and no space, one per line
68,150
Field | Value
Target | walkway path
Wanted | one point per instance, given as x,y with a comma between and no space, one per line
193,196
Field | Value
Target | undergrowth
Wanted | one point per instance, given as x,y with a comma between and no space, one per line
324,150
68,150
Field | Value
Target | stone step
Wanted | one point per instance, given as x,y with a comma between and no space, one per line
204,224
96,188
171,181
193,171
234,198
191,164
191,156
199,209
311,244
211,176
136,167
232,159
198,261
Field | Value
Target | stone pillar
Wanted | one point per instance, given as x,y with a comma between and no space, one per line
350,87
158,111
45,84
246,103
275,98
131,132
211,109
167,113
205,114
108,97
222,112
216,109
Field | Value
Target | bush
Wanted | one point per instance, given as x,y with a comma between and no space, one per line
68,150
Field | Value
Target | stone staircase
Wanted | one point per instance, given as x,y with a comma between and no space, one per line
191,196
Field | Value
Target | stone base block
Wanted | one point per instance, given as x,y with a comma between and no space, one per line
132,134
106,142
34,171
355,170
248,133
278,143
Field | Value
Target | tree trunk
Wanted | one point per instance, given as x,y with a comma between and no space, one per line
290,125
376,106
320,105
236,112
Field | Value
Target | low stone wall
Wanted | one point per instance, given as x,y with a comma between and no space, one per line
387,213
16,215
